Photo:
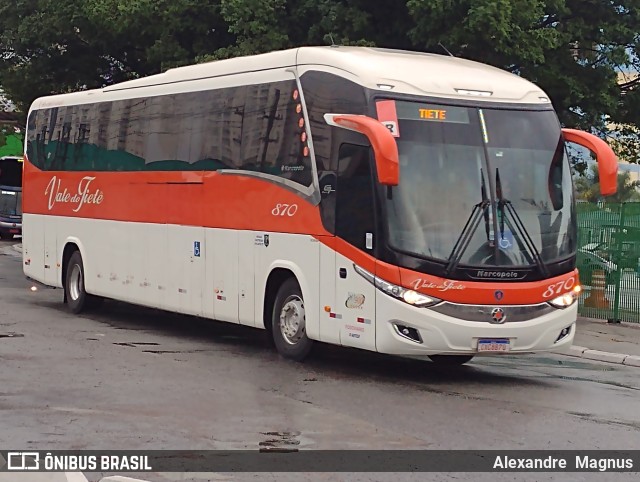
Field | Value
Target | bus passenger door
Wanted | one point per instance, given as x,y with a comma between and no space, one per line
355,295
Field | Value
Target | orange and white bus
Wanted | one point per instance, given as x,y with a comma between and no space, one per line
399,202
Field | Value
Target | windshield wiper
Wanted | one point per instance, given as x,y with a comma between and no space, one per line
462,243
519,225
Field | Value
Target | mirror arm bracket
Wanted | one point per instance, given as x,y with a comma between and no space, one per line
382,141
607,159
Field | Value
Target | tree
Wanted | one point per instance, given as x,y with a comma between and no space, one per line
53,46
573,49
588,187
11,140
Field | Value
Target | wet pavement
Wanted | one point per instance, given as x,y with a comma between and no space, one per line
130,377
609,337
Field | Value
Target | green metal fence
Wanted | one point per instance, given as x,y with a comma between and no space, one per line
609,260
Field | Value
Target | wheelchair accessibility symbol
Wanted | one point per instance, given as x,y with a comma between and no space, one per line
505,241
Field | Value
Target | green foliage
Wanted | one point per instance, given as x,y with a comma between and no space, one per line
588,187
574,49
11,141
53,46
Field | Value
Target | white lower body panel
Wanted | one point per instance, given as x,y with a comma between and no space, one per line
214,273
222,274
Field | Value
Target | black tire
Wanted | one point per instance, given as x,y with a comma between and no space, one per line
77,299
295,345
450,360
6,236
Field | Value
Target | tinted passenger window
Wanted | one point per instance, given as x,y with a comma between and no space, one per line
328,93
272,136
256,127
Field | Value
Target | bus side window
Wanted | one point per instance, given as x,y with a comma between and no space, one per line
355,202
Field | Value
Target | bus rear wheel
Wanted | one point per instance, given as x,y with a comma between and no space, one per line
450,360
288,322
75,295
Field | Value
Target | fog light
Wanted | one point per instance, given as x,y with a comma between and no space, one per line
408,332
564,333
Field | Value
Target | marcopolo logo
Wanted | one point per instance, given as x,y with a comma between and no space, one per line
483,274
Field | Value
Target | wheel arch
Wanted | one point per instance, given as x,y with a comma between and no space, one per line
278,272
71,244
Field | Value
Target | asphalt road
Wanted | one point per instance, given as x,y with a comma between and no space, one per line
130,377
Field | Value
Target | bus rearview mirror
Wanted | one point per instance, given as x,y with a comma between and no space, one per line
607,159
382,141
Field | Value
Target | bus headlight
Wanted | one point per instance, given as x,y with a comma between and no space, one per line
567,299
416,299
563,301
410,297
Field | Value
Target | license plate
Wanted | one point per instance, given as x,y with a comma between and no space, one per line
493,344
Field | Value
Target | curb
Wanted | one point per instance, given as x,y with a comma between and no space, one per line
604,356
17,247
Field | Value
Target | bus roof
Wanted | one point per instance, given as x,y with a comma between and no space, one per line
406,72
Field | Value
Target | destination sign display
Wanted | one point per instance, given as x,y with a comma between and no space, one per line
432,112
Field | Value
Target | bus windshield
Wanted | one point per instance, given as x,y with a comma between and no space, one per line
11,186
11,171
499,179
10,202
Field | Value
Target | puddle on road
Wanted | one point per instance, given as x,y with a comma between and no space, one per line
585,371
589,417
173,352
159,351
603,382
135,344
533,362
163,352
280,442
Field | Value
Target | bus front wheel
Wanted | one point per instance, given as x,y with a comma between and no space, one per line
288,322
76,297
450,360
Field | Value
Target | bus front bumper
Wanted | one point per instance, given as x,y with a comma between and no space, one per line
405,330
11,227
